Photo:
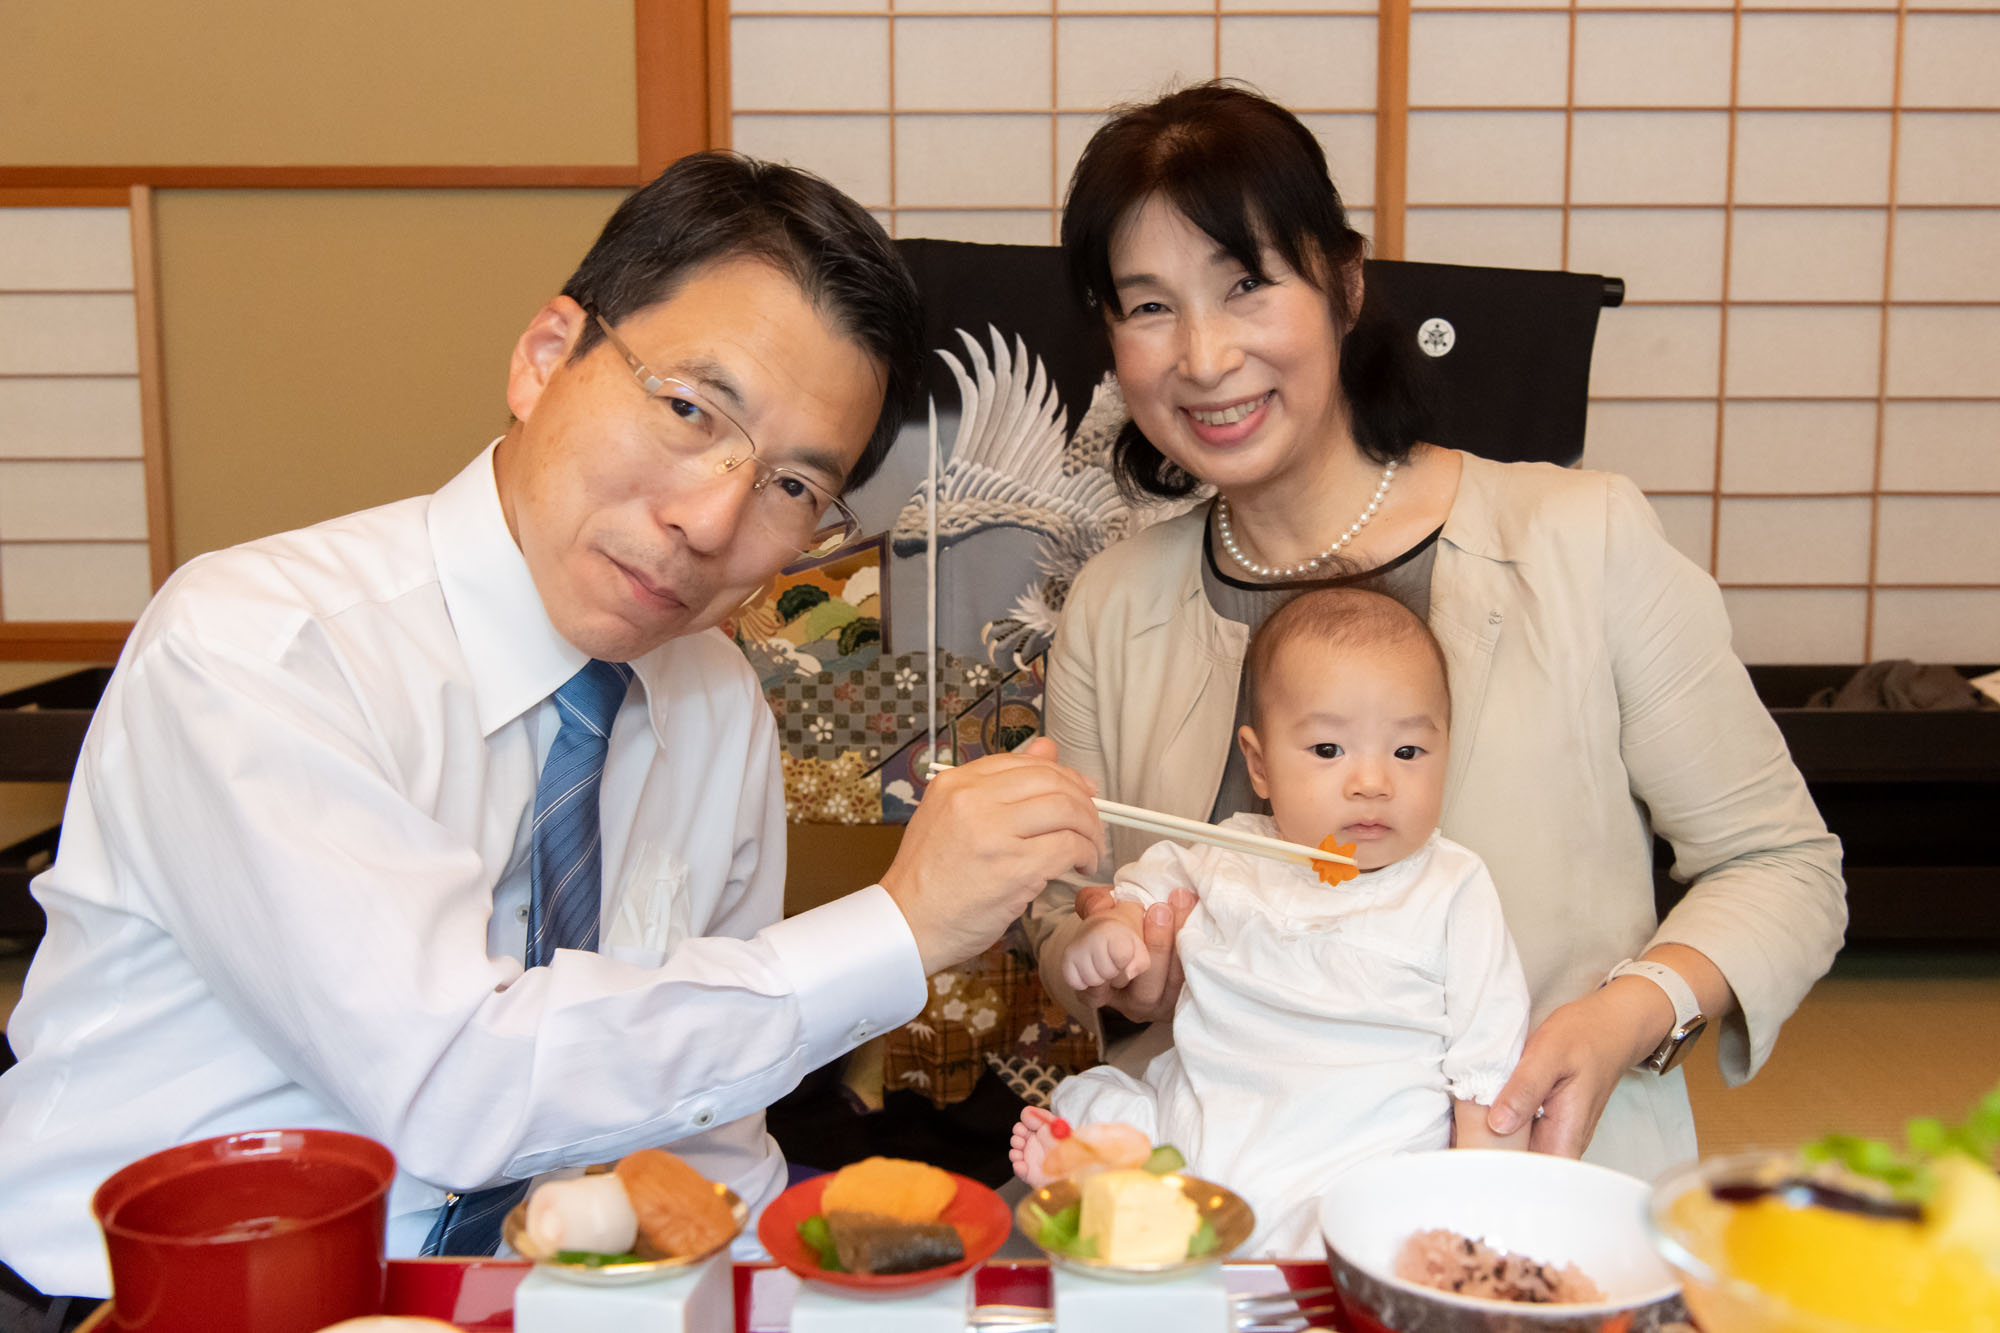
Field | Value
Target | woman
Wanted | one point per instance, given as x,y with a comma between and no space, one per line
1595,699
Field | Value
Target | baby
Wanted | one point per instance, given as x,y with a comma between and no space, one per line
1319,1025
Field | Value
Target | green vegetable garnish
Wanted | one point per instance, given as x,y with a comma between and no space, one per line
1203,1241
592,1259
1907,1172
1059,1230
1166,1160
817,1236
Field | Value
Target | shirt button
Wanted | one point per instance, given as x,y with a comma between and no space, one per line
704,1118
862,1032
521,912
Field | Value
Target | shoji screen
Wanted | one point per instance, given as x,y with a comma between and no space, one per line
77,530
1802,204
962,119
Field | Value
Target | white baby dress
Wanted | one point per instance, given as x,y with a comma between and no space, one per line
1320,1025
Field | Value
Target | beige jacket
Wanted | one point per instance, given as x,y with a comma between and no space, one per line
1595,701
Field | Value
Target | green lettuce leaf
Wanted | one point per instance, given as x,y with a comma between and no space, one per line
1906,1171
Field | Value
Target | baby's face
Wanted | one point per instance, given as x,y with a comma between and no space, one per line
1354,744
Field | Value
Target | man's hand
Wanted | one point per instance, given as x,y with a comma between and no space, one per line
1574,1060
985,840
1151,994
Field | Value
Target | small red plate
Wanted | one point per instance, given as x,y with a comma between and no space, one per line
981,1218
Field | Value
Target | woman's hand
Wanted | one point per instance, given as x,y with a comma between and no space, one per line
1573,1061
1150,996
1576,1057
1470,1130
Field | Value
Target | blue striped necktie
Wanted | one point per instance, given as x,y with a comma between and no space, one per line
566,859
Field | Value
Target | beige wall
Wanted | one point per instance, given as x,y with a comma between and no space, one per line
327,350
323,349
360,81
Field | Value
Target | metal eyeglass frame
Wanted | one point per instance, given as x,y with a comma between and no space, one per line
835,536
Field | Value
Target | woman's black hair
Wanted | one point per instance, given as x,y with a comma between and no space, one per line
1250,175
713,206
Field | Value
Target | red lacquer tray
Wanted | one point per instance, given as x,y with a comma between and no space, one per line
478,1294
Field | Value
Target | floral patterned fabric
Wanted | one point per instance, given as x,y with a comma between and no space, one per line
1030,1080
854,722
927,640
992,1007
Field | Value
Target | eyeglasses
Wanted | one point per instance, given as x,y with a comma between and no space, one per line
703,441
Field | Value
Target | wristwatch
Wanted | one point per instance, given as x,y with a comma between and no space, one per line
1688,1022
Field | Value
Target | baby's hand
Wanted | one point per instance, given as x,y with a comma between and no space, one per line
1107,951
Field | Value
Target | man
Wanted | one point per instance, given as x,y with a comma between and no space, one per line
341,786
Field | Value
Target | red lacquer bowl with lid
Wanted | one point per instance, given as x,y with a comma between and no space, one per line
274,1231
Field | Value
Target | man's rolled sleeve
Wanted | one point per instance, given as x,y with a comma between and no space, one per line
855,968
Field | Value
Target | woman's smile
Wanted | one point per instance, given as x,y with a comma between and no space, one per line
1229,424
1198,336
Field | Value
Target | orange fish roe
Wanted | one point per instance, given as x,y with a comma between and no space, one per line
1335,872
907,1191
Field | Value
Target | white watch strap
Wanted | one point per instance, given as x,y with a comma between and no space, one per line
1686,1007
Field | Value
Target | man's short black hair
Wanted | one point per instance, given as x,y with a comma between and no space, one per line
715,206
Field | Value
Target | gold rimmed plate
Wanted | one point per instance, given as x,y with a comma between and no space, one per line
514,1230
1223,1209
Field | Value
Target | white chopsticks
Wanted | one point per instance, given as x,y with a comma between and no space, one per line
1194,830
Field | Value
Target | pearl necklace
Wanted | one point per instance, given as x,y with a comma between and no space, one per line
1228,535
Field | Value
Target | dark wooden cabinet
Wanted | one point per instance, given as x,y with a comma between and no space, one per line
1914,799
41,730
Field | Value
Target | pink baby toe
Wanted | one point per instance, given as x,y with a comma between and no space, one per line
1031,1163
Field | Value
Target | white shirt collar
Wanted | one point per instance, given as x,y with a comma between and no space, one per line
513,653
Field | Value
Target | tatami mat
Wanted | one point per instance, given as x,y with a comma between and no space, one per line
1882,1039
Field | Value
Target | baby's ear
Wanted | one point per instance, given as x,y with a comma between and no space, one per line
1253,759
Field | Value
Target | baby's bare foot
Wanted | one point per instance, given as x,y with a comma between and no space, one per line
1028,1148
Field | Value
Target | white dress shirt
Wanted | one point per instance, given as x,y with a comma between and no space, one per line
1320,1025
294,875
